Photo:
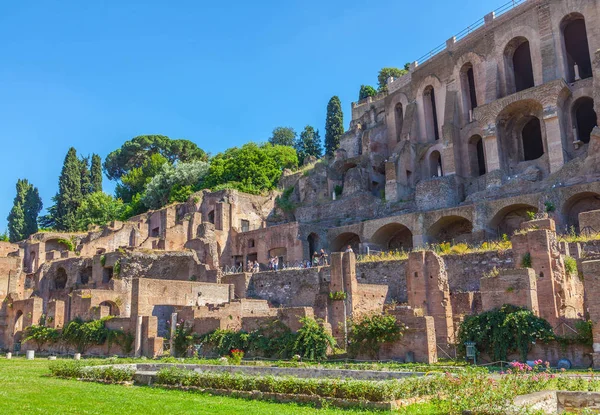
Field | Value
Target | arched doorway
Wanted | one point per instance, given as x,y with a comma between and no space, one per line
431,117
576,47
509,218
435,164
477,156
313,244
531,136
585,118
393,237
399,118
467,81
519,67
450,229
113,309
576,204
341,242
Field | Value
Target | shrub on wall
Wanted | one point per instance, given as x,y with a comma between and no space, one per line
368,333
502,331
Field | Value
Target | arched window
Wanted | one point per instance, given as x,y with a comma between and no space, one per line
576,48
585,118
477,156
519,66
399,118
431,121
251,243
531,135
467,80
435,164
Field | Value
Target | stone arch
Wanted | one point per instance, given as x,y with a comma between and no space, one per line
522,135
575,45
393,237
436,168
398,120
313,243
429,127
578,203
430,112
450,228
508,219
341,241
18,327
476,155
519,65
60,280
584,118
468,88
113,308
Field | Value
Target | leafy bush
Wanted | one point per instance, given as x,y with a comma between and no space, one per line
98,209
108,374
549,207
366,91
531,215
368,333
82,335
570,265
337,296
501,331
67,244
283,202
174,183
41,335
66,368
312,340
184,338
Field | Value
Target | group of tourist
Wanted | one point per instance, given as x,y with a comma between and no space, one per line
320,259
253,266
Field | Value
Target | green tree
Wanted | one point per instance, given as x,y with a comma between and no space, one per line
41,335
174,183
69,196
4,237
283,136
22,219
86,183
251,168
334,125
135,181
98,209
96,173
309,144
366,91
385,73
137,151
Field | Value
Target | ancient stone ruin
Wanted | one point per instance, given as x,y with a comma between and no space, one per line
492,139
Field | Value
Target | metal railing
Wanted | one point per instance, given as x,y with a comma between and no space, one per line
471,28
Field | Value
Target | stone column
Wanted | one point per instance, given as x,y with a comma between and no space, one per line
553,139
138,336
492,156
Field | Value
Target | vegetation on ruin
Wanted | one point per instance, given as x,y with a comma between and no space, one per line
526,260
369,332
308,144
22,219
383,256
337,296
183,338
570,265
40,335
67,243
99,209
366,91
273,340
334,125
501,331
573,237
386,73
174,183
283,201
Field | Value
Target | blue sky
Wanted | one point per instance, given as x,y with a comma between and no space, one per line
93,74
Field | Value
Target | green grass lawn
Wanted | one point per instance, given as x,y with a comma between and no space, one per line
27,388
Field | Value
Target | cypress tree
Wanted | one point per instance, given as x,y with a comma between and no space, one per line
69,194
22,219
32,208
334,125
85,178
96,173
